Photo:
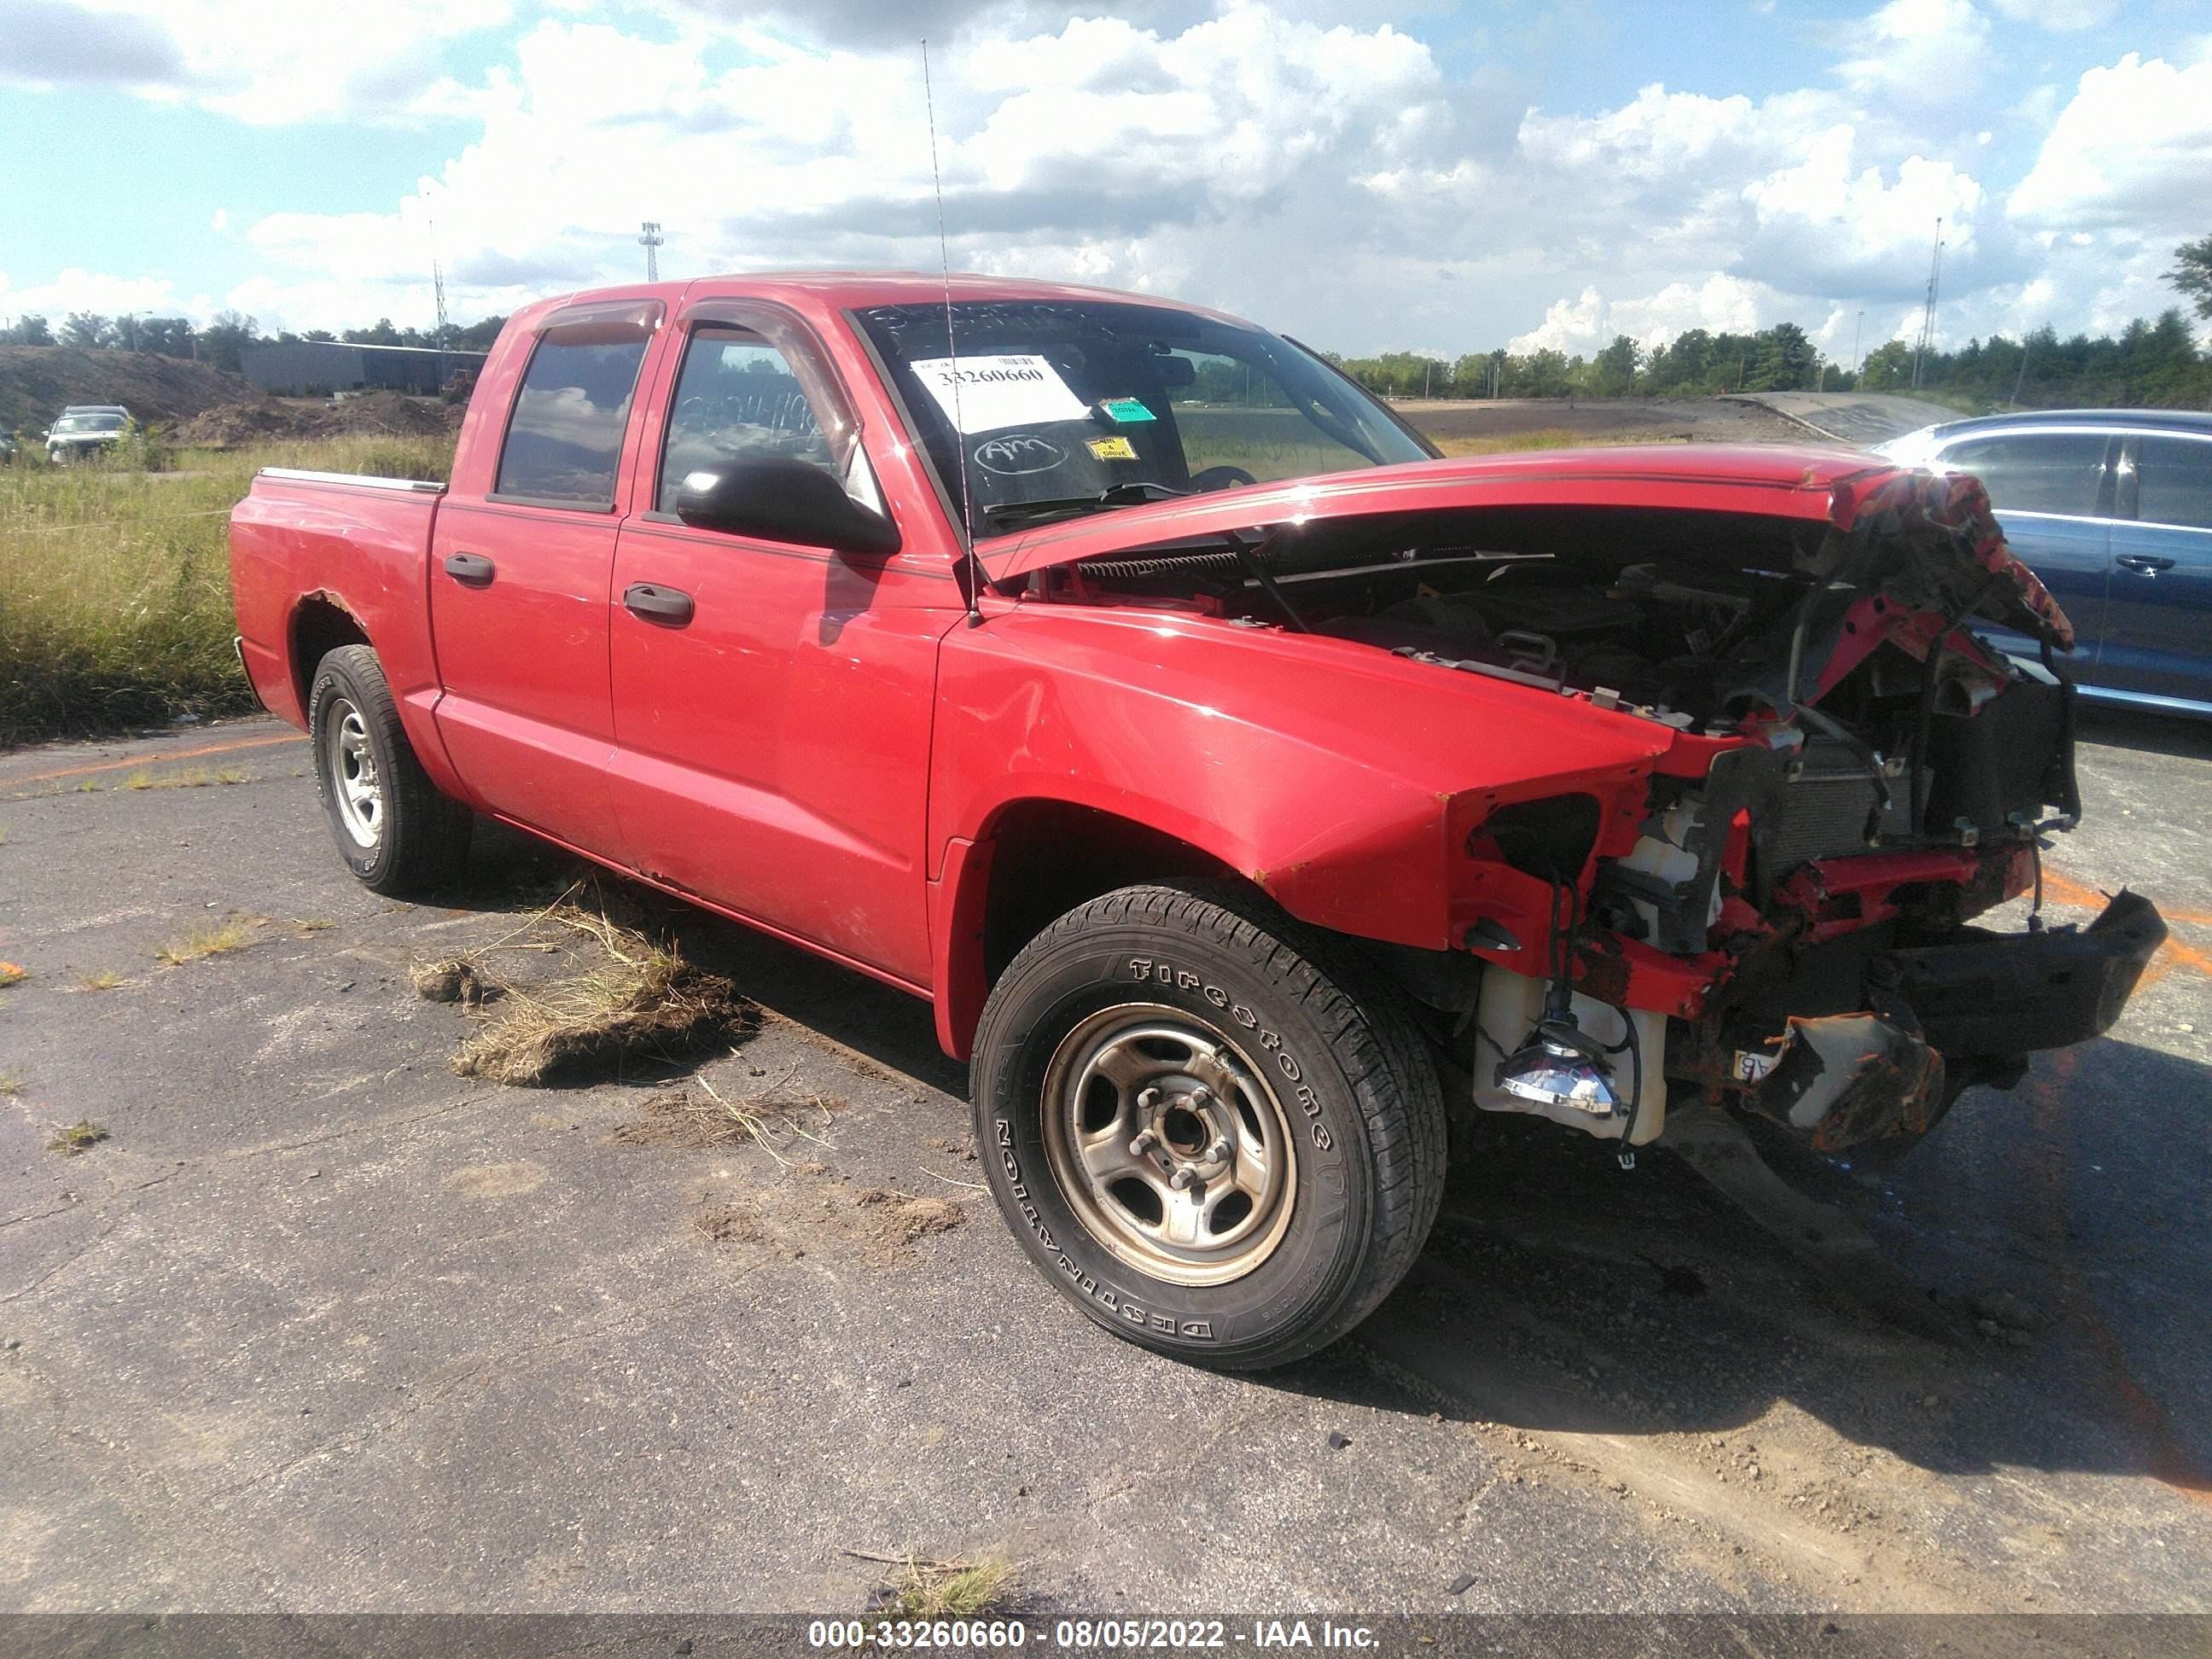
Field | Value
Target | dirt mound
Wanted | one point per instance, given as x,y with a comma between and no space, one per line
375,413
37,382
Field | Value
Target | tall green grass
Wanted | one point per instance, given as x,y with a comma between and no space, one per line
115,582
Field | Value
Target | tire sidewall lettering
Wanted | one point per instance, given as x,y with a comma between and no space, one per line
1313,1257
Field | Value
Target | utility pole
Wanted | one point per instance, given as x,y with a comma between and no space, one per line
2020,379
1857,330
651,241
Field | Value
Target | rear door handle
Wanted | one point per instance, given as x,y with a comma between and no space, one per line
2144,564
470,569
658,605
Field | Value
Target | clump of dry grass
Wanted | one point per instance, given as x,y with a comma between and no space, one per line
192,777
13,973
211,938
100,979
632,999
943,1589
11,1083
81,1136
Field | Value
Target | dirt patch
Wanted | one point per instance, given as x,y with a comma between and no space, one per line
37,382
496,1180
1619,420
697,1119
385,413
809,1212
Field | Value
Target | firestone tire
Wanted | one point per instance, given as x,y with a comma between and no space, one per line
1205,1002
395,831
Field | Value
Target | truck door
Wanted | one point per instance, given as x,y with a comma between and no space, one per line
2053,493
2158,629
518,583
772,702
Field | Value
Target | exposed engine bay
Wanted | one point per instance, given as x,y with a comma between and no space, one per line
1858,772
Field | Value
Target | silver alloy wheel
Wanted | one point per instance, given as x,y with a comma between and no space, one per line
1169,1145
350,768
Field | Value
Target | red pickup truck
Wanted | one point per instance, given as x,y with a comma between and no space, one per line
1252,792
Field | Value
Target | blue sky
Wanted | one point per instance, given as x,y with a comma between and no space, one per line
1364,175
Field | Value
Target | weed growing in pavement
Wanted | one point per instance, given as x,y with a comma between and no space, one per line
945,1589
211,938
81,1136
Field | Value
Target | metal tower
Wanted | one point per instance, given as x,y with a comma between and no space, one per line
651,241
444,326
1927,341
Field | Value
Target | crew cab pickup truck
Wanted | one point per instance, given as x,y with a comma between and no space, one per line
1252,792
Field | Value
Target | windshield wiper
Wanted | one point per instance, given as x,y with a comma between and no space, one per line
1120,495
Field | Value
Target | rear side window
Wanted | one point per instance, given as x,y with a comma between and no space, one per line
564,441
2173,482
2060,472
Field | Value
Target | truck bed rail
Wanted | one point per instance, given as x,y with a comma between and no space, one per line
362,480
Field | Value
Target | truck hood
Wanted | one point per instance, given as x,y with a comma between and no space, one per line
1945,519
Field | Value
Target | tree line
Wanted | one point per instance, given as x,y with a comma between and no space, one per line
2149,363
223,341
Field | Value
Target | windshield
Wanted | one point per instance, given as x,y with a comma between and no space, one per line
89,423
1074,406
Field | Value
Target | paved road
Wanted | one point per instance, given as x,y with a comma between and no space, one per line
1860,419
322,1326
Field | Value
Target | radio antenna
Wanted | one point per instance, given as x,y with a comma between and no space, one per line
952,354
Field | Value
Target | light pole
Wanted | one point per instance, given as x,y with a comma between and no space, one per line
1857,328
651,241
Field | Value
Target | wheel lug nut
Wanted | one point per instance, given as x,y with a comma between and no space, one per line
1144,1143
1219,1149
1148,1098
1199,1096
1182,1179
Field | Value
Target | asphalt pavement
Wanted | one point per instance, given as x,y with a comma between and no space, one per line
321,1326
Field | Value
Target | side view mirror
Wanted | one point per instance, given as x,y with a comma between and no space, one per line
782,500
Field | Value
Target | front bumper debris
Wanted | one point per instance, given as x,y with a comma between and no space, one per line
1850,1078
1949,1015
2010,994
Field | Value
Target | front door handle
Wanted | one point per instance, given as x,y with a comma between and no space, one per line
667,605
2144,564
470,569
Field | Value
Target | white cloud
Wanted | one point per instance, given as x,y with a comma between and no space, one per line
77,289
1923,52
1589,321
2062,17
2131,150
262,61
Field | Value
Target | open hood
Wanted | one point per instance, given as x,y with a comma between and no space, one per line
1939,525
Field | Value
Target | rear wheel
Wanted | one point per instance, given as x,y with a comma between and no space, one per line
395,831
1214,1129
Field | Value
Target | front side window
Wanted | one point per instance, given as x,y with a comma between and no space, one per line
2056,472
1052,407
2173,482
564,442
737,398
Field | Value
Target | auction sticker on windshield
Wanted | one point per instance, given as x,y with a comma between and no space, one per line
989,394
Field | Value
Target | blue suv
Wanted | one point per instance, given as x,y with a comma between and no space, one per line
2113,508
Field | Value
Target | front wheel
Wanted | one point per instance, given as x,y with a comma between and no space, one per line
395,831
1214,1129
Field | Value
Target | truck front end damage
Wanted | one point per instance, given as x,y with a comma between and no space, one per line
1796,893
1766,908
